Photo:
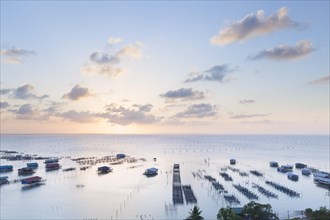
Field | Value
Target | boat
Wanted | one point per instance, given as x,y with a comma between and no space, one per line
300,165
3,180
285,168
120,156
25,171
104,169
306,172
69,169
51,160
232,161
6,168
52,166
273,164
151,171
32,165
32,181
322,178
292,176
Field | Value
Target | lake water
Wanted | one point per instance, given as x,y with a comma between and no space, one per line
127,194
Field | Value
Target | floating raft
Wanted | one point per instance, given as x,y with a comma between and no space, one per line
189,194
177,196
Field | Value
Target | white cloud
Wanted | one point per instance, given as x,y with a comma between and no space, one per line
321,81
114,40
198,111
183,94
139,114
16,55
107,63
286,52
247,101
80,117
253,25
23,92
217,73
78,92
241,116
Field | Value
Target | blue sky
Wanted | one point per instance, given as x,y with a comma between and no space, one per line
165,67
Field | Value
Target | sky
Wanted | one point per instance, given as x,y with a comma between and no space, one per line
142,67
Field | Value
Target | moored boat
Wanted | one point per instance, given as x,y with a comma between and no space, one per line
32,181
51,160
322,178
300,165
25,171
273,164
285,168
104,169
32,165
6,168
151,171
3,180
292,176
306,172
52,166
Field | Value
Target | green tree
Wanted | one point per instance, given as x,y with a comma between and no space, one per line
195,214
257,211
227,214
322,214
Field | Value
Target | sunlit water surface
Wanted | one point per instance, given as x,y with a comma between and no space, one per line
127,194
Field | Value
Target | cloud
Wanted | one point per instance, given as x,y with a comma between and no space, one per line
25,112
253,25
198,111
80,117
257,122
114,40
24,92
4,105
183,94
285,52
321,81
139,114
103,58
240,116
247,101
107,63
131,50
16,55
217,73
77,92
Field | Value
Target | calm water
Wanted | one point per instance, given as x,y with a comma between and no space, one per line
127,194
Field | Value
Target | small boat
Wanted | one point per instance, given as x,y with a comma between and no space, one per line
232,161
69,169
151,171
104,169
120,156
273,164
6,168
292,176
3,180
51,160
32,181
32,165
25,171
300,165
306,172
322,178
285,168
52,166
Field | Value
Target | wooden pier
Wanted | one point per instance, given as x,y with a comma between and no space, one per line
189,194
177,196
